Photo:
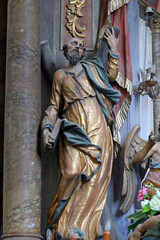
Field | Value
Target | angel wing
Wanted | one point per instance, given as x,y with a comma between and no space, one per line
132,146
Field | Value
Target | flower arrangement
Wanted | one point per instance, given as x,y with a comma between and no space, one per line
149,196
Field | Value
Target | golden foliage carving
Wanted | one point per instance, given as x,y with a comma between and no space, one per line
73,13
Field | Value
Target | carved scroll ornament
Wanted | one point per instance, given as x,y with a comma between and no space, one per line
72,15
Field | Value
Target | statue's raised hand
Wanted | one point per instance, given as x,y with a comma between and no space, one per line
153,139
111,40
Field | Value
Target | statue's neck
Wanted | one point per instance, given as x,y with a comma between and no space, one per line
74,69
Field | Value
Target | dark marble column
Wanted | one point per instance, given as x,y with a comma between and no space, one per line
156,58
22,199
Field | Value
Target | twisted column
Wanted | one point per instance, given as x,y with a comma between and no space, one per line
21,201
156,58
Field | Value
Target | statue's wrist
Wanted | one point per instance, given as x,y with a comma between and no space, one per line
47,126
113,55
114,50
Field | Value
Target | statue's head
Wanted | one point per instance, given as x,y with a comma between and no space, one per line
74,50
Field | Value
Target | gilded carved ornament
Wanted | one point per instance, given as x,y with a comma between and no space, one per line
73,14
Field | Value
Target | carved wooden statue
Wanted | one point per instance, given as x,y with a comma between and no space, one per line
146,153
81,106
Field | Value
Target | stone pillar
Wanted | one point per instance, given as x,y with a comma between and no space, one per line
3,29
22,185
156,58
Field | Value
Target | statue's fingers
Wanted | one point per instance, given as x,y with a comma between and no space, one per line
107,32
112,31
48,145
151,134
51,140
106,38
51,137
45,144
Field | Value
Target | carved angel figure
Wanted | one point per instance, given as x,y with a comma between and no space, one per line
146,153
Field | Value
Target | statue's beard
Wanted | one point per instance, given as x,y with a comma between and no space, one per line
74,57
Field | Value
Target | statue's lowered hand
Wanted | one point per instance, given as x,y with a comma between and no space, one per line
46,140
52,138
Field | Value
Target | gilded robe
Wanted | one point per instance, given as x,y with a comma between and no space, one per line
86,167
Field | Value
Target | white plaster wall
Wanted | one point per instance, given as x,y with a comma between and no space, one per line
146,103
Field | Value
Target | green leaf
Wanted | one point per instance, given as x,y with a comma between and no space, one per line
133,225
138,216
146,195
146,208
134,215
153,212
142,216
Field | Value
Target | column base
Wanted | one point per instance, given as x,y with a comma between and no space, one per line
21,236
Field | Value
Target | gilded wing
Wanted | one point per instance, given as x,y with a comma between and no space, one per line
132,146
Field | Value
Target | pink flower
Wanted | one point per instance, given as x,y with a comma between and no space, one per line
141,193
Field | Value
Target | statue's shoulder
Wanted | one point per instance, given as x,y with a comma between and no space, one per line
60,74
